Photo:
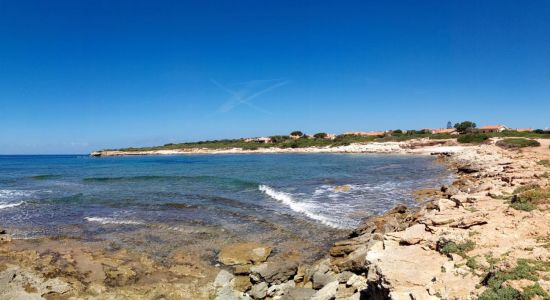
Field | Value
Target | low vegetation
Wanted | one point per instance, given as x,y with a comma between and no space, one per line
525,269
528,197
544,162
472,138
297,139
517,143
458,248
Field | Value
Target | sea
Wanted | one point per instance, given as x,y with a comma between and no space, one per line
160,203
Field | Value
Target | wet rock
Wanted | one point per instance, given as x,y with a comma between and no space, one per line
119,276
469,169
274,272
5,238
299,294
243,253
258,291
328,292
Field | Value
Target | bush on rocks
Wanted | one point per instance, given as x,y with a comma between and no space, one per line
517,143
527,197
472,138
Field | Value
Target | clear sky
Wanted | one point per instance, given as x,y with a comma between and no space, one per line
82,75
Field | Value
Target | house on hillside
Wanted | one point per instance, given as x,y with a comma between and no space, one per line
441,130
492,128
362,133
261,140
524,129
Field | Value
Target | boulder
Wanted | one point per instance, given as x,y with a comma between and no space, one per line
321,279
328,292
223,278
354,262
258,291
242,283
274,272
298,294
446,204
413,235
280,289
243,253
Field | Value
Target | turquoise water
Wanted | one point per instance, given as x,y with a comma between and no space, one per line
223,195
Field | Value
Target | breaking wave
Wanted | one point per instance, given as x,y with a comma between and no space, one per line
107,220
300,207
9,205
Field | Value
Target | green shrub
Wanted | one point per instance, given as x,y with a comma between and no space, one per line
471,263
525,269
320,135
517,143
527,197
472,138
544,162
297,133
460,248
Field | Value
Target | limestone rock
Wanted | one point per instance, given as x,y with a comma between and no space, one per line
413,235
243,253
321,279
274,272
258,291
242,283
280,289
354,262
299,294
223,278
328,292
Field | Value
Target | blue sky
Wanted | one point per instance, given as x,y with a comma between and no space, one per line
82,75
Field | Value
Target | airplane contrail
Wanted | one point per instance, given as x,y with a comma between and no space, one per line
240,96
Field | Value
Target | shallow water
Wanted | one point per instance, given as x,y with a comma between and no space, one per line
206,199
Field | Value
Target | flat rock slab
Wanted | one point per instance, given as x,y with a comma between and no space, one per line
243,253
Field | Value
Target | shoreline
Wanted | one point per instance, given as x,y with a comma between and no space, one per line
396,255
419,146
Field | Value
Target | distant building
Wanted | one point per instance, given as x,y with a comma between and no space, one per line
441,130
330,136
362,133
524,129
261,140
492,128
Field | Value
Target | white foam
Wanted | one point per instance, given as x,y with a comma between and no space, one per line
8,194
107,220
4,205
301,207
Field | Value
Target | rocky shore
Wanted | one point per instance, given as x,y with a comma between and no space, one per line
467,241
485,236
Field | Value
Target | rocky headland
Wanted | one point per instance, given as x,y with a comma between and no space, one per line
486,236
